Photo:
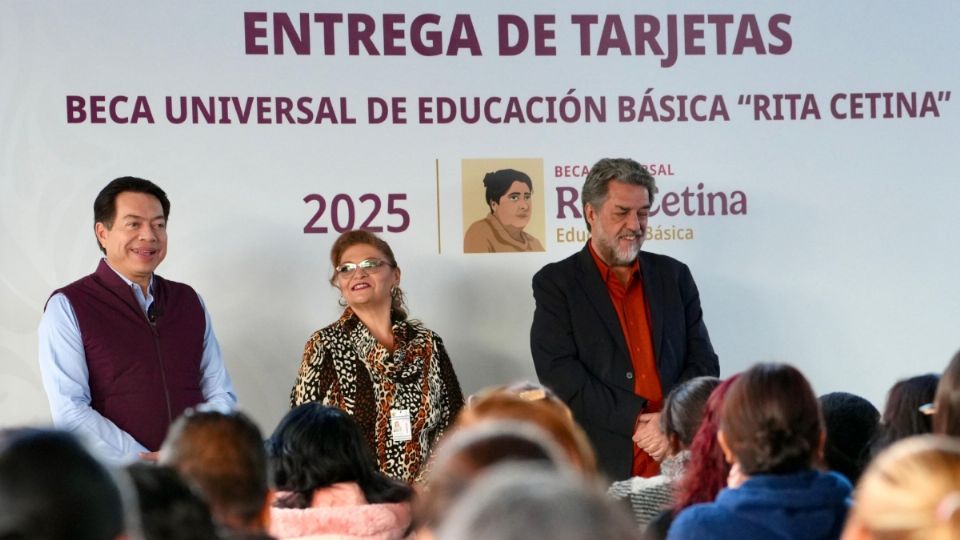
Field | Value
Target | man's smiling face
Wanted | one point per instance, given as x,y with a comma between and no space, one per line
136,241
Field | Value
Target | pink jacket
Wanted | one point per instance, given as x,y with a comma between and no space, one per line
340,512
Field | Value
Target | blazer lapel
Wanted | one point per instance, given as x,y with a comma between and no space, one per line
596,291
653,292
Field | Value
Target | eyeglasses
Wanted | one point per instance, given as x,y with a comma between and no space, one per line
369,266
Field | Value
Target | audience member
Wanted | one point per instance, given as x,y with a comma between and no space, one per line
328,482
522,502
518,466
771,431
169,510
51,488
851,423
902,417
707,471
222,456
946,416
911,491
467,453
529,391
680,420
539,408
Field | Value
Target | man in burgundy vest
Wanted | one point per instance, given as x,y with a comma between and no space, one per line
123,352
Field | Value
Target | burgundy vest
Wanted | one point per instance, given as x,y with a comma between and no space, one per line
142,376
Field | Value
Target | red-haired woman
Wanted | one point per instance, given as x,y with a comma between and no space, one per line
390,373
706,471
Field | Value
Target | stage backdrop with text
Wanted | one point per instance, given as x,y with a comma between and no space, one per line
804,154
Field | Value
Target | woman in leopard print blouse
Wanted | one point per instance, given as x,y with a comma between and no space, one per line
392,374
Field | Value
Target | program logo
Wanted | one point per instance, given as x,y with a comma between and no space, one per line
503,210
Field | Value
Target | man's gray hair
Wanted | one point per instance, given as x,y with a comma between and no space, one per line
626,170
526,502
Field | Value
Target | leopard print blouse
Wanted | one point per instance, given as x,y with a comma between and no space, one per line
344,366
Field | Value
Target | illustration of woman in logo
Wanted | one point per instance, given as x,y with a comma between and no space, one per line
508,196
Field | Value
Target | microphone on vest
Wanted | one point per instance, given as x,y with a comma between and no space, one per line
152,313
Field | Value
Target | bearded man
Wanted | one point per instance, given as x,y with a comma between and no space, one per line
616,328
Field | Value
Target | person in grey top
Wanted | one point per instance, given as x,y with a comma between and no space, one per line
681,417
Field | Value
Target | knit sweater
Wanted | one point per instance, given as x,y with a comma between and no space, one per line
648,497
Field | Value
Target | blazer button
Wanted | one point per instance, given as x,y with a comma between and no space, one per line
629,375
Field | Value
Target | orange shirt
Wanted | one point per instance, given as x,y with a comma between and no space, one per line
631,307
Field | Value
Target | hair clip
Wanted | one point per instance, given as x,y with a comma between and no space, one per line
948,506
534,394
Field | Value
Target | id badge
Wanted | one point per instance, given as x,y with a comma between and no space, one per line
400,425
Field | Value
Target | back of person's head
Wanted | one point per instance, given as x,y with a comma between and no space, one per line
851,424
770,422
546,412
316,446
530,391
946,419
515,502
683,411
706,472
468,452
51,488
911,491
169,509
901,415
222,456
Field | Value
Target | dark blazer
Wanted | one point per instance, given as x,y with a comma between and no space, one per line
579,350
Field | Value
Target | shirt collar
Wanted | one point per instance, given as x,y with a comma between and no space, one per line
144,300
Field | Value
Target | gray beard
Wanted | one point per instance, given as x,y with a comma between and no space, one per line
613,257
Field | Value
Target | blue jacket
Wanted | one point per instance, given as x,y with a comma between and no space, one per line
803,506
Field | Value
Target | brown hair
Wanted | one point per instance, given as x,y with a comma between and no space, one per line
901,416
946,419
771,420
683,411
398,307
707,472
550,415
222,456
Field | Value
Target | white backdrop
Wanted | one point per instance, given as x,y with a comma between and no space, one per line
843,262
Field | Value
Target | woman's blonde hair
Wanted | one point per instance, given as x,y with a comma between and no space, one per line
911,491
